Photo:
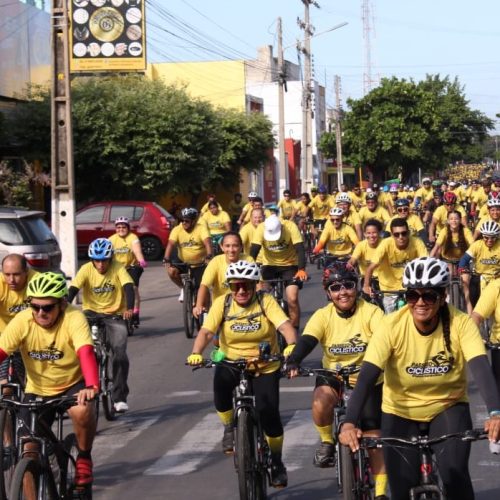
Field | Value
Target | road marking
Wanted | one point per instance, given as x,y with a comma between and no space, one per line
184,393
297,389
191,450
488,463
300,439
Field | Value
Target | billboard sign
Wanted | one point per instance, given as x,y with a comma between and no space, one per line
107,35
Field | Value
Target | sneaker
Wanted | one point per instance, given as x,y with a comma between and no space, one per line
181,296
279,477
121,407
83,472
228,439
325,455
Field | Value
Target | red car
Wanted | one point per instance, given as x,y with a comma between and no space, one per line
150,221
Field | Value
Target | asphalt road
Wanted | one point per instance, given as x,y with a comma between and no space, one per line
168,445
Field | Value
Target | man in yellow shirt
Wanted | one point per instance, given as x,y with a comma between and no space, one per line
188,244
287,205
248,230
373,210
357,197
108,293
319,207
57,349
424,194
391,257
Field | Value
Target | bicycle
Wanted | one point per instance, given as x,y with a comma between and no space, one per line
377,298
191,323
319,224
456,295
342,373
252,458
46,470
429,487
104,356
307,236
278,291
327,259
216,241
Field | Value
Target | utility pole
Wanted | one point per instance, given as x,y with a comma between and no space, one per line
62,170
306,149
496,151
338,132
281,111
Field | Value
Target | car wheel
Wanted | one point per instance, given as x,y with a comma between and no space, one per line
151,248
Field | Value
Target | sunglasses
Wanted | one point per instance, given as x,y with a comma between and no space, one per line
403,209
45,308
402,234
186,220
336,220
450,204
429,298
346,285
244,285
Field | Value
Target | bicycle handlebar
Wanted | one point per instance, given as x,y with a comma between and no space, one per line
340,371
492,346
39,403
238,364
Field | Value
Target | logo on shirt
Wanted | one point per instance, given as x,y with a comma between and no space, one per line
492,261
251,325
50,353
399,264
356,345
190,243
106,288
121,250
277,247
18,307
338,241
436,366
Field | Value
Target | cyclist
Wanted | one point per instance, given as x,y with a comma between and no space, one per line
108,292
493,207
234,210
343,329
252,195
339,238
357,197
287,205
440,216
423,351
218,222
256,203
402,210
239,338
424,194
210,197
57,349
486,256
283,257
302,210
373,210
128,251
214,276
351,217
193,245
432,205
390,258
248,230
319,207
391,199
454,240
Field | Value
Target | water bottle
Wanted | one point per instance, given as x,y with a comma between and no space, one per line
95,332
400,303
217,356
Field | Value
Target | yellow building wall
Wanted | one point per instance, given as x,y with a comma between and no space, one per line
221,83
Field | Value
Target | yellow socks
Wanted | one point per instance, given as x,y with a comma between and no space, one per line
325,433
380,484
275,443
226,416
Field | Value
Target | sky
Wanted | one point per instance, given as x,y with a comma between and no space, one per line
409,39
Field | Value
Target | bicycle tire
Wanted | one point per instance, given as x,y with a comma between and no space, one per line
108,404
251,481
347,474
7,450
25,480
187,310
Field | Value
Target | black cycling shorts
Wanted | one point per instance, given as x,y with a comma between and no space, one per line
286,273
135,273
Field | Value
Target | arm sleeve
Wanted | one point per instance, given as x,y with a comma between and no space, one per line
465,260
301,255
366,381
254,250
304,347
128,288
3,355
483,376
72,292
88,365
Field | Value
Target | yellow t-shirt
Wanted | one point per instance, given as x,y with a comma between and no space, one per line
246,233
281,252
302,208
344,340
479,197
460,192
216,223
487,306
419,380
454,253
12,301
320,208
49,355
214,276
357,201
103,293
380,214
483,212
392,261
234,209
339,241
245,328
424,194
190,245
441,216
351,219
486,260
364,254
287,208
122,249
414,223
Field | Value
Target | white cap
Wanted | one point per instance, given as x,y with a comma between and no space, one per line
426,179
272,228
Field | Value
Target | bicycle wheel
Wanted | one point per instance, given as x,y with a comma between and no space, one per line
25,480
251,480
347,474
7,449
108,403
187,307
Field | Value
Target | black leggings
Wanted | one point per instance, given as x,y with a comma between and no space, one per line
452,455
267,396
495,366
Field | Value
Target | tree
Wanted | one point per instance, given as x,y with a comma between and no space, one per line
410,125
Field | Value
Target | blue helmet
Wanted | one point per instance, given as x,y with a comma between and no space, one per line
322,189
100,249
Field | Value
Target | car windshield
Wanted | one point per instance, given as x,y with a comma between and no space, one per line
164,212
38,230
10,233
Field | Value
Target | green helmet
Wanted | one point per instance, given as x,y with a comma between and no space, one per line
48,285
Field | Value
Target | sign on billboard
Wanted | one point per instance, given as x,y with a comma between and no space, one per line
107,35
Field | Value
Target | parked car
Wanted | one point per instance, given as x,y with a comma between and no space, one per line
25,232
150,221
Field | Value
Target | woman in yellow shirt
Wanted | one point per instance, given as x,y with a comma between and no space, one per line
454,240
424,350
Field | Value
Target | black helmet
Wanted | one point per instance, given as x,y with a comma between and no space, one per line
402,202
337,272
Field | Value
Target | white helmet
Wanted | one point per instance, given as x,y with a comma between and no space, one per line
343,198
493,202
426,272
336,212
243,270
122,220
490,228
253,194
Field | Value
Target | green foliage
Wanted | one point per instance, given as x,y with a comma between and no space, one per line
16,181
328,145
402,123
